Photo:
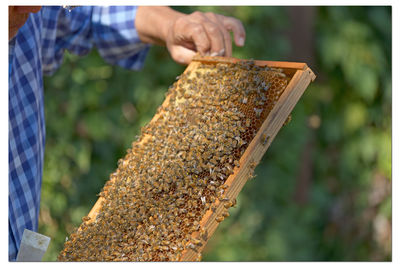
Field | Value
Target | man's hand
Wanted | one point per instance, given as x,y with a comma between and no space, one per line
185,35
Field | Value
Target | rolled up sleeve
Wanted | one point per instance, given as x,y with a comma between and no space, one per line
116,37
109,29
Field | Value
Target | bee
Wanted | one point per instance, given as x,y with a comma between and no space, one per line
260,103
266,86
252,176
197,242
263,98
242,130
265,138
281,74
213,208
252,165
228,204
165,242
258,111
220,219
198,257
288,119
248,122
221,192
204,234
234,117
164,248
182,210
229,168
192,247
85,218
211,171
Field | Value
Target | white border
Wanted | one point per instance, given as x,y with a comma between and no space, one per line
395,111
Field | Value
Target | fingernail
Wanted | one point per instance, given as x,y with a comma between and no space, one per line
222,52
213,54
241,41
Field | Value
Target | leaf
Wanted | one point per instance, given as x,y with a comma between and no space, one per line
365,82
355,116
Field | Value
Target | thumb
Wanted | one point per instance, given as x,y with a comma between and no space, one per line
181,54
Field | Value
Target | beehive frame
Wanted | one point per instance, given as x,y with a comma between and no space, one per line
300,77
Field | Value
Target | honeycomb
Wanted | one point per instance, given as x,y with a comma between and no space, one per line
177,168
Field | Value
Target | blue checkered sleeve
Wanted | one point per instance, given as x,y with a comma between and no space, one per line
38,48
110,29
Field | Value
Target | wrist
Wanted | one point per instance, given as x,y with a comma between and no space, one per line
153,23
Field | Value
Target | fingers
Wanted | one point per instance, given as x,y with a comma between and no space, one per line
224,33
216,37
237,28
226,25
200,37
206,33
181,54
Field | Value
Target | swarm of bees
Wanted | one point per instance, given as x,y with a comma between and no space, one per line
176,169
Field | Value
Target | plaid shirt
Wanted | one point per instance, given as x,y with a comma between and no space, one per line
38,48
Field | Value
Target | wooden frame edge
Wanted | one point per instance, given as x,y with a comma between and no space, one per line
262,63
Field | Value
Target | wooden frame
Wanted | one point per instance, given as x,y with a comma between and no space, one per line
301,76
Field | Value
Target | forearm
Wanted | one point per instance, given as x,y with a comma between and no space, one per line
153,22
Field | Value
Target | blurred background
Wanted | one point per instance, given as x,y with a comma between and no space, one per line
323,189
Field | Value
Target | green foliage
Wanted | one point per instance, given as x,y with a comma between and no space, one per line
322,190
